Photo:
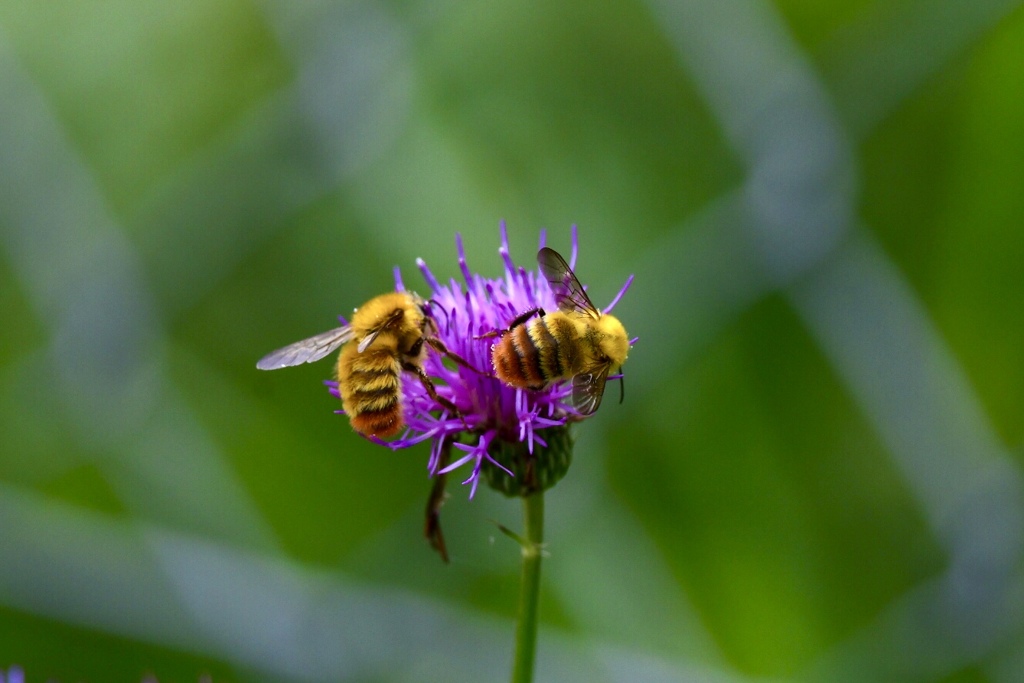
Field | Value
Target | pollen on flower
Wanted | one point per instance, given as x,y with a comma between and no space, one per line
495,419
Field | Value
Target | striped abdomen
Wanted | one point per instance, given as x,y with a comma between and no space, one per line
538,351
370,385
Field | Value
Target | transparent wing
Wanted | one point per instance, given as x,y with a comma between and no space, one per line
587,390
307,350
384,324
568,291
368,339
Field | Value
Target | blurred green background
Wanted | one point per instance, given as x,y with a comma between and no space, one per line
815,476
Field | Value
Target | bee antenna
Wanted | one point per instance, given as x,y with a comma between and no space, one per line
428,306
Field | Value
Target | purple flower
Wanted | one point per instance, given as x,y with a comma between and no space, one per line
500,426
15,674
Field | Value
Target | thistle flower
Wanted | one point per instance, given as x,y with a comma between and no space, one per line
501,431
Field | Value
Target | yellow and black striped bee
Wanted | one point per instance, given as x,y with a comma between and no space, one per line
388,334
577,341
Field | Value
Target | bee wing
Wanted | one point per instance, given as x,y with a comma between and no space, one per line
389,321
307,350
568,291
368,339
587,390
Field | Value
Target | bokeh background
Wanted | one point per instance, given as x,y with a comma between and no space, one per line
815,476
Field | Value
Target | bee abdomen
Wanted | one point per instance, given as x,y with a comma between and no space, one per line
379,423
370,387
527,356
374,400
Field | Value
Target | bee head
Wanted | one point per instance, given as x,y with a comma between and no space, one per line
614,341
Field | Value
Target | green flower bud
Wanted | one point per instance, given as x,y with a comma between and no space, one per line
537,471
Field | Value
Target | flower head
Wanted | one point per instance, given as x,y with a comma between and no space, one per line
497,425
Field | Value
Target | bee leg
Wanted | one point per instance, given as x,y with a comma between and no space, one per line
512,325
432,524
429,386
524,317
439,346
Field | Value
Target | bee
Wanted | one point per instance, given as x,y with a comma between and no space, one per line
577,341
388,334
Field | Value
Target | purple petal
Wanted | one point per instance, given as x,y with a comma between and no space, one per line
625,287
427,275
466,275
458,463
575,248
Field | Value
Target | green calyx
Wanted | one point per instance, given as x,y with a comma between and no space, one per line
537,471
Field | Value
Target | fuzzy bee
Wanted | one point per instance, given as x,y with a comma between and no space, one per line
577,341
388,334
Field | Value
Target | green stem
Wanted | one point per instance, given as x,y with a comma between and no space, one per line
529,595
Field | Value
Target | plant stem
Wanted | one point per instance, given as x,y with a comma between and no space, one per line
529,595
